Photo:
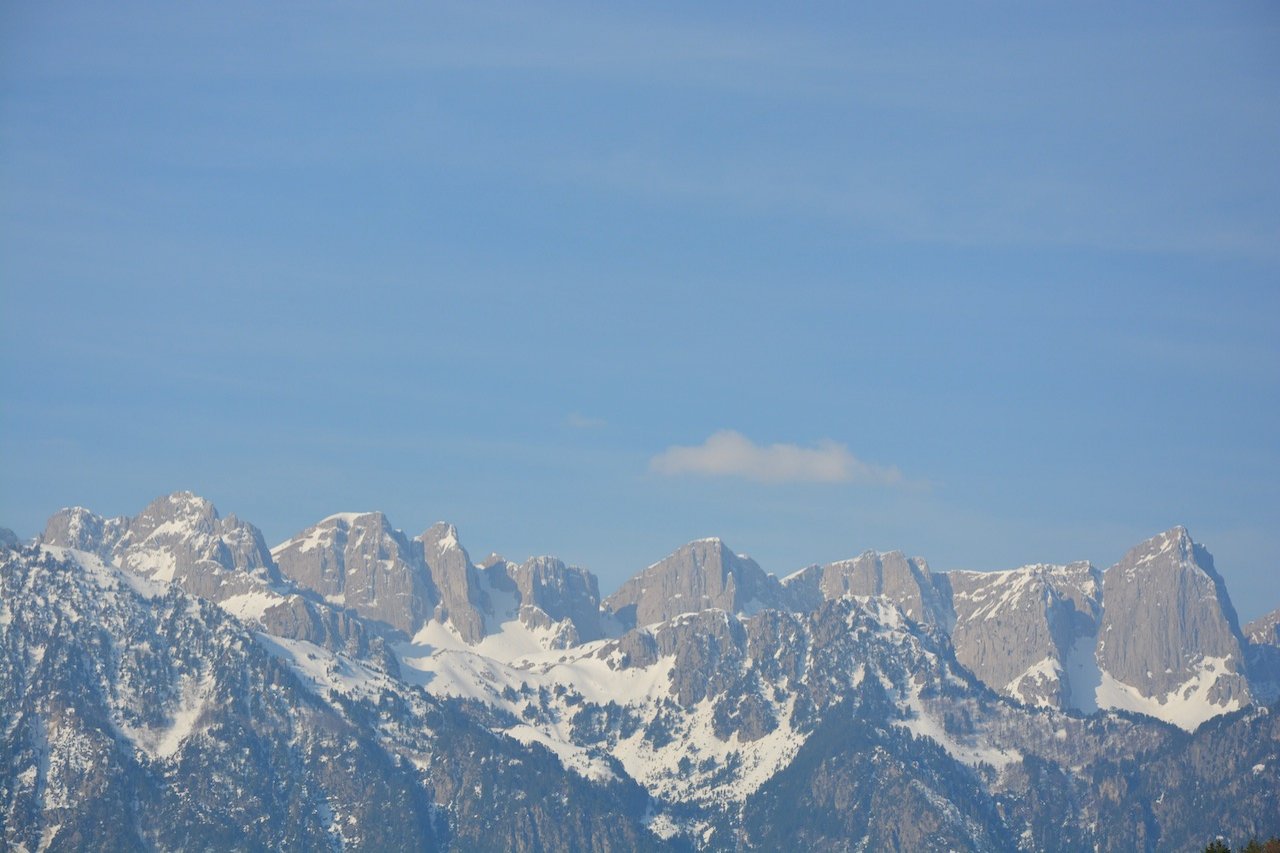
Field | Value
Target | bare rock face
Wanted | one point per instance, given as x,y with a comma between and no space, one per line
179,538
78,528
297,617
1262,647
358,560
1016,630
1168,631
558,592
804,589
1265,630
907,582
463,601
8,539
702,575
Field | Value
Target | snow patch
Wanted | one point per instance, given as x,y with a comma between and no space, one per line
1083,675
323,670
1035,685
449,541
250,605
572,757
106,575
164,741
923,724
1186,706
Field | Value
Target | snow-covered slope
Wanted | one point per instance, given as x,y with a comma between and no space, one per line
136,716
702,692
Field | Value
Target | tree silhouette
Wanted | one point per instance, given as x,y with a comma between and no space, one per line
1271,845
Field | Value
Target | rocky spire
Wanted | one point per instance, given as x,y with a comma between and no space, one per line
462,602
1168,631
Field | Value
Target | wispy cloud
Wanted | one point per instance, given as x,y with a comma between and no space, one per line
731,454
577,420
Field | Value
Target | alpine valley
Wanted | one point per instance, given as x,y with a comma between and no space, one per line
170,682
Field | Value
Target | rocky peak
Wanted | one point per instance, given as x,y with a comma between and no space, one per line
1265,630
1016,630
185,511
78,528
359,560
699,576
1168,629
559,592
178,537
1262,639
463,601
174,533
906,581
804,588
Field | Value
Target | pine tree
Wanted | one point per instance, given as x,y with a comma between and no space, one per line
1271,845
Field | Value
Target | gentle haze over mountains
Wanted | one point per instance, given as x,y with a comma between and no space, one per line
990,284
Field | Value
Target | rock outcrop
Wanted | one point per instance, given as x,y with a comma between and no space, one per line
551,592
358,560
1169,634
702,575
463,602
905,581
177,538
1017,630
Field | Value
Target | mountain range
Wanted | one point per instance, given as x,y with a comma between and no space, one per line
170,681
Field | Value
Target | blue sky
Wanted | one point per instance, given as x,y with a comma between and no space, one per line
991,284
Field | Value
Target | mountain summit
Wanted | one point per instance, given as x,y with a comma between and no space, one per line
1169,643
170,661
705,574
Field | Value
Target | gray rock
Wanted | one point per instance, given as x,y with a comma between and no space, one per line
1265,630
907,582
1016,630
358,560
700,576
179,538
297,617
559,592
78,528
804,589
1167,622
462,599
1262,647
8,539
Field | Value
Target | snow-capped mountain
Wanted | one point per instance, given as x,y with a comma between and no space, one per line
137,716
182,539
866,704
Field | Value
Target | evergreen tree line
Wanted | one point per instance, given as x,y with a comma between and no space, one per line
1271,845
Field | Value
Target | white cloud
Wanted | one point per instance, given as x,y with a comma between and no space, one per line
578,420
730,454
